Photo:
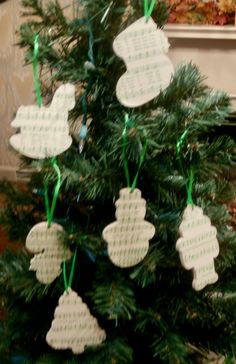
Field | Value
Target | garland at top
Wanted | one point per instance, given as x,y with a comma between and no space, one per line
219,12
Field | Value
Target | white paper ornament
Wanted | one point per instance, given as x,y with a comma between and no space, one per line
198,246
128,237
73,326
143,48
47,244
44,131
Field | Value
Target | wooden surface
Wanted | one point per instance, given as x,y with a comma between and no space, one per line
4,241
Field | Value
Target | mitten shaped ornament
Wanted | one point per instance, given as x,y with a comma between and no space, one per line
128,237
198,246
73,326
47,244
143,48
44,131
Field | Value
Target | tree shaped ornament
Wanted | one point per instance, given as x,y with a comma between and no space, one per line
47,244
198,246
128,237
73,326
143,48
44,131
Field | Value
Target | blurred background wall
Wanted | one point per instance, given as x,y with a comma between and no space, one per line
209,48
15,82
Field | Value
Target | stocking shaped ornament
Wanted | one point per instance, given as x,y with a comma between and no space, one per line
73,326
47,244
128,237
143,48
44,131
198,246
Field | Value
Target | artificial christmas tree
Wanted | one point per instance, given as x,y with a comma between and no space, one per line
148,312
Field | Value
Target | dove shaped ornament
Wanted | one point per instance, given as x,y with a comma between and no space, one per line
44,131
143,47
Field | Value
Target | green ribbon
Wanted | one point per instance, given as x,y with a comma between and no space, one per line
67,283
50,210
35,70
190,188
125,162
148,9
189,184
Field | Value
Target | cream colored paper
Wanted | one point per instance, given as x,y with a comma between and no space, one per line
128,237
47,244
198,246
143,48
44,131
73,326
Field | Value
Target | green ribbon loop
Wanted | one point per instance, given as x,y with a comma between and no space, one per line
148,9
178,151
125,162
188,180
190,188
50,210
67,283
35,70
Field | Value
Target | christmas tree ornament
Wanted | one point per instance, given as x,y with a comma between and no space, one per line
47,244
73,326
143,48
44,131
128,237
198,246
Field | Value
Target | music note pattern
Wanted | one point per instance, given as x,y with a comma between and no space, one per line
73,326
128,237
48,246
198,246
143,48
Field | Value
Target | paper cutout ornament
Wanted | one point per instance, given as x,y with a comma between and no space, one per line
44,131
73,326
47,244
143,48
128,237
198,246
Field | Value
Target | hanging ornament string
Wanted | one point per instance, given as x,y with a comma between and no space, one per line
89,65
124,157
49,210
91,43
188,180
35,69
148,9
68,284
106,12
